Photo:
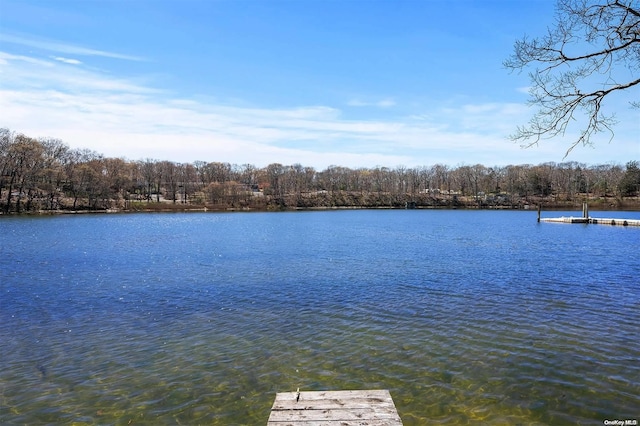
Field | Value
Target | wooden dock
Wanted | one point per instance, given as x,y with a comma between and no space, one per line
592,220
586,219
332,408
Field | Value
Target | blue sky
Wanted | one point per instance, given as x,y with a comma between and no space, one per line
355,83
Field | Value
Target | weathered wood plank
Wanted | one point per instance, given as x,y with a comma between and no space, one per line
333,423
329,408
332,403
332,415
336,405
346,394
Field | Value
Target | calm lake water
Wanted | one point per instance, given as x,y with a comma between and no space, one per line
201,318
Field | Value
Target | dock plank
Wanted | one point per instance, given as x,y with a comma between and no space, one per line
367,422
330,408
332,404
350,414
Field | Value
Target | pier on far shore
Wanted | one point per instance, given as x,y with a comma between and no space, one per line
586,219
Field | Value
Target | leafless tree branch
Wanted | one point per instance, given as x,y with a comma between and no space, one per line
580,59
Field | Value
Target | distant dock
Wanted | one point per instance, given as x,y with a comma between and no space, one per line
357,407
592,220
586,219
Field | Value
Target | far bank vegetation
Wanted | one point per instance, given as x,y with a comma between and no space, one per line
45,175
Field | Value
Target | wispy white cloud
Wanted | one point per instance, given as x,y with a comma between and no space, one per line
67,60
65,48
26,71
123,117
384,103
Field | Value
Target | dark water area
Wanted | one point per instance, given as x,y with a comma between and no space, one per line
200,318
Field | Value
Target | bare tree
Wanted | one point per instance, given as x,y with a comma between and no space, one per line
592,52
23,159
55,152
149,168
170,173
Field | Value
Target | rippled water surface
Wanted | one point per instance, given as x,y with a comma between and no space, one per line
202,318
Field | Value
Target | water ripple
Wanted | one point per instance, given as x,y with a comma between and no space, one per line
466,317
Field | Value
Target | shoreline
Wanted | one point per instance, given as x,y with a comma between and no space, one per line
171,208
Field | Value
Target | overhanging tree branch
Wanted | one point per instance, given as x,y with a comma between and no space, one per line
582,58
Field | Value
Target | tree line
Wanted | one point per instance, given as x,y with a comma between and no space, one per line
45,174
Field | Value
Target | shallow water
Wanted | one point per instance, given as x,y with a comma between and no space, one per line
202,318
